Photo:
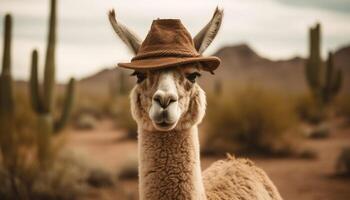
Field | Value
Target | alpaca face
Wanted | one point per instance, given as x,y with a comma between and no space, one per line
168,99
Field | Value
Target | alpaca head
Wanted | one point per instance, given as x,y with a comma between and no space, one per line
168,98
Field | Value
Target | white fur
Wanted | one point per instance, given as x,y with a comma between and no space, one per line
165,92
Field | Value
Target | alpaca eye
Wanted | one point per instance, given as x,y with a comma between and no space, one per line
192,76
140,76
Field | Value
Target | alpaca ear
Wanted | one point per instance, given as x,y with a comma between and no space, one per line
203,39
128,37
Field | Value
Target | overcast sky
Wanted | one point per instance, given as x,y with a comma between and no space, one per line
276,29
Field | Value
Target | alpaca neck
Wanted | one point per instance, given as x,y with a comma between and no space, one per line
170,165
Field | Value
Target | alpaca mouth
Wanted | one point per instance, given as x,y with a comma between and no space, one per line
164,124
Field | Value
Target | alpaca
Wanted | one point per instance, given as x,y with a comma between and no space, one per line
168,105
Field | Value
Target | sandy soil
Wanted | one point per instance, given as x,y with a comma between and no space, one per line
301,179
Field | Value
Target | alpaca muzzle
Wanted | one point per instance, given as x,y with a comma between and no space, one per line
165,111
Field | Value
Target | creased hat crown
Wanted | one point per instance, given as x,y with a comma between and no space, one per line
168,44
167,37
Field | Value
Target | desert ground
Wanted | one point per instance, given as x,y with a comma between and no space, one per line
296,178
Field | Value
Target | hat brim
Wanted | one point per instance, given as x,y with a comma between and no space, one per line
209,63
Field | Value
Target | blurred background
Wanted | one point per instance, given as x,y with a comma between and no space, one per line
281,96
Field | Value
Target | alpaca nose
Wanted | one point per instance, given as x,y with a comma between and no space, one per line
164,99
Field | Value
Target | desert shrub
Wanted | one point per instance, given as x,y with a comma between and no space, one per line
64,179
85,121
343,162
99,177
129,168
308,154
94,102
252,120
308,110
123,118
319,132
88,103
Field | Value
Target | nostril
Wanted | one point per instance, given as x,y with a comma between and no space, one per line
165,100
169,100
157,99
172,98
172,101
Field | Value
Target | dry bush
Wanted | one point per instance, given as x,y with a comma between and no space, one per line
85,121
308,110
88,109
91,104
252,120
64,179
129,168
98,177
22,177
343,162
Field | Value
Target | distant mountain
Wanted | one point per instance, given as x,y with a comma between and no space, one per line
342,59
239,56
100,83
241,65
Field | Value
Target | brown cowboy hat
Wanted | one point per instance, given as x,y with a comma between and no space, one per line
169,44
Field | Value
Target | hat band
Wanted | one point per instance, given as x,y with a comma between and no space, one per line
166,53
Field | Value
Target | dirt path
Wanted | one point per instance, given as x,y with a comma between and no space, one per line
296,178
311,179
104,145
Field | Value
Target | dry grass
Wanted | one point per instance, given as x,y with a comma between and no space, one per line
22,177
252,120
308,110
63,179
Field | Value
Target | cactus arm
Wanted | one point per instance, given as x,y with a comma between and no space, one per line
328,78
34,84
334,76
6,93
6,62
7,106
49,73
67,106
311,73
44,138
329,73
316,40
313,63
337,83
333,80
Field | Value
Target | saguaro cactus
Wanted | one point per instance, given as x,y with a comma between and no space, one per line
7,107
43,98
324,81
